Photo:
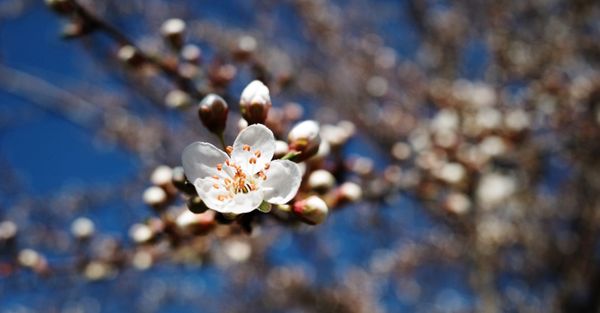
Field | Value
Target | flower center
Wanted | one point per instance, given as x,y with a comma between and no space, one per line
234,180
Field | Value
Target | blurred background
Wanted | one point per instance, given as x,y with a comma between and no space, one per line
476,146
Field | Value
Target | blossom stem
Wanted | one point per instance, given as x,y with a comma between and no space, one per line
222,140
290,155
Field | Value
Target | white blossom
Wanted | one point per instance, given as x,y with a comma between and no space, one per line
241,182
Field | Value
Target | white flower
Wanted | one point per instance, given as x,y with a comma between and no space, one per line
240,183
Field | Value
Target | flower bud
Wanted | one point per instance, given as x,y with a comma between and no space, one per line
196,205
35,261
8,232
162,176
349,192
246,46
181,182
255,102
82,228
173,31
177,99
304,138
142,260
321,181
140,233
29,258
281,149
130,56
213,113
312,210
195,223
60,6
191,53
155,197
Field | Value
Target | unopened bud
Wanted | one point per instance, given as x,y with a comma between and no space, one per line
196,205
173,31
255,102
191,53
304,138
82,228
130,56
155,197
213,113
457,203
75,29
246,46
321,181
281,149
30,258
97,270
177,99
195,223
350,192
162,176
60,6
140,233
312,210
8,231
181,182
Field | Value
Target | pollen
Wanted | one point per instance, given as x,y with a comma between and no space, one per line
246,147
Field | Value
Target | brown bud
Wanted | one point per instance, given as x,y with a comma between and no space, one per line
213,113
196,205
181,182
255,102
173,30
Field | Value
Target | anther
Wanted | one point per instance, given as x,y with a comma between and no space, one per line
257,153
229,149
252,161
219,166
246,147
267,166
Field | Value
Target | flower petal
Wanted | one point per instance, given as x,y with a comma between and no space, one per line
283,181
200,160
210,195
244,202
254,142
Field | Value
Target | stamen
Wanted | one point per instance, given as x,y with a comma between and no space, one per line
227,163
221,197
257,153
267,166
219,166
216,186
246,147
216,177
229,149
252,161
